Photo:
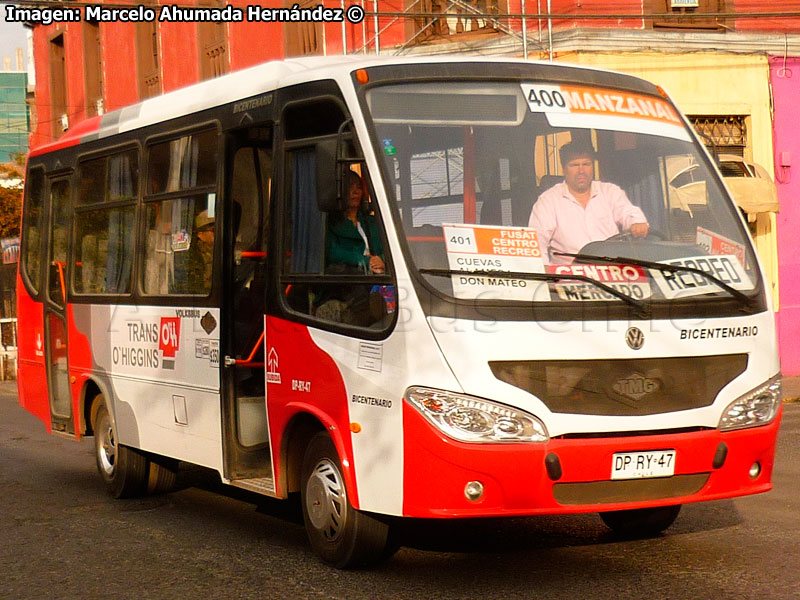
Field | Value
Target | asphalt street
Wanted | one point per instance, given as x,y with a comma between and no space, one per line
61,536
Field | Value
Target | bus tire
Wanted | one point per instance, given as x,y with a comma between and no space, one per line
641,522
123,469
161,474
341,536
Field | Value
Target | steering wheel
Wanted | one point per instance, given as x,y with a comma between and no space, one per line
627,236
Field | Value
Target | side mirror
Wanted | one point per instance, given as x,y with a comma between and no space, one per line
329,181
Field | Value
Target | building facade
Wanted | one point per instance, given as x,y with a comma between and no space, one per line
14,119
784,73
724,62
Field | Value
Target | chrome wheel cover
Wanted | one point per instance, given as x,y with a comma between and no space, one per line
107,449
326,500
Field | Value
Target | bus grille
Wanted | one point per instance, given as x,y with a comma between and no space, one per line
623,387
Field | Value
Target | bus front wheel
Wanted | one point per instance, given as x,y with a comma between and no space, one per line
124,469
641,522
341,535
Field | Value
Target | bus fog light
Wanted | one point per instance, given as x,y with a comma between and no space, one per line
758,407
755,470
473,491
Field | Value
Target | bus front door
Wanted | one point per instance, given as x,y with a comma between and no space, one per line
246,443
55,323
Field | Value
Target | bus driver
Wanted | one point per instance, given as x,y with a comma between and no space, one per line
581,210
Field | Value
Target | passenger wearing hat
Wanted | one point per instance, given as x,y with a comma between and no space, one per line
203,221
580,209
201,257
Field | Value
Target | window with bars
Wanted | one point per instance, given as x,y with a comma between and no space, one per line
461,17
149,76
212,40
93,68
302,38
688,14
58,85
728,133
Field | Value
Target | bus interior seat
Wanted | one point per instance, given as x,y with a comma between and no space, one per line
522,204
299,298
684,223
680,222
427,247
549,181
491,212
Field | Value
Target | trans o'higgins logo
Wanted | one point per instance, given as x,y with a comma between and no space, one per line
635,386
634,338
169,340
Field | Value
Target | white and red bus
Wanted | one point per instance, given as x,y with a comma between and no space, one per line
178,300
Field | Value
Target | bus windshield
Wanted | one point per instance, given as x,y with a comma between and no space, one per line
545,192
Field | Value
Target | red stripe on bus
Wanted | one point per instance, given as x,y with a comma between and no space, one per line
71,138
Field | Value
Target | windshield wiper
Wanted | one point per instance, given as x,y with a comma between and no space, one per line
664,267
641,308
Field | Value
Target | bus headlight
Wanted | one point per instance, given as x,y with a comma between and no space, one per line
469,419
755,408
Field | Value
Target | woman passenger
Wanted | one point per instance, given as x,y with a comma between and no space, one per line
353,243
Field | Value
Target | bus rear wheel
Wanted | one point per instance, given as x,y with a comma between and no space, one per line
641,522
341,535
161,475
124,469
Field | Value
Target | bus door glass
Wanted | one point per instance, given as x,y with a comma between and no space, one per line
249,162
335,263
33,396
55,306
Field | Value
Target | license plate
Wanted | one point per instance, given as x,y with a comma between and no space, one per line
639,465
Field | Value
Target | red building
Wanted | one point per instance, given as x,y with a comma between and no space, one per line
96,65
93,66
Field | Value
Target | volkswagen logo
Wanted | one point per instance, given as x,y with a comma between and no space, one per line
634,337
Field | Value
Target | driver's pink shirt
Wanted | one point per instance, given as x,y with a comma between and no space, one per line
563,224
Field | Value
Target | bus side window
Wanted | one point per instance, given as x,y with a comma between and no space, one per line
104,242
181,219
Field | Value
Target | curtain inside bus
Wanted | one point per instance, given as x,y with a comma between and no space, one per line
307,220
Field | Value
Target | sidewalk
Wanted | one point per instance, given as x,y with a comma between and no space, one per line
791,388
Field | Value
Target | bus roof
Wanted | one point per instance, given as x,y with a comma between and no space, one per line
247,83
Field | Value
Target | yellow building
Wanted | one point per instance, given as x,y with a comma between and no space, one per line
728,97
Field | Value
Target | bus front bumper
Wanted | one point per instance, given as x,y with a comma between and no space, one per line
440,474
